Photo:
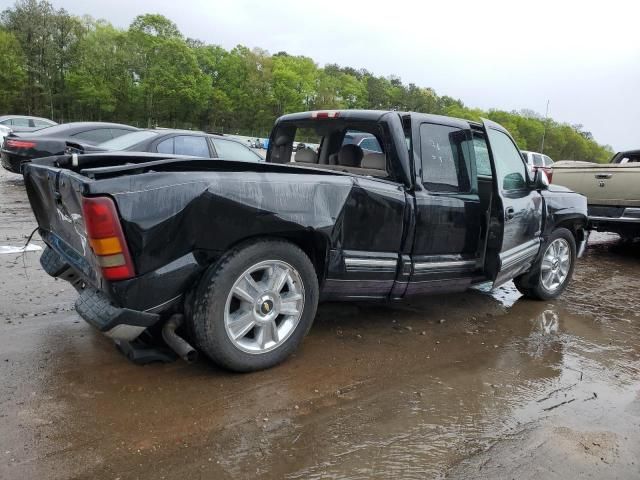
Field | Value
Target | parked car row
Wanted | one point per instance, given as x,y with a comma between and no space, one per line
19,148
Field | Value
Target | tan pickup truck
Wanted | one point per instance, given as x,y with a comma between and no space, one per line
612,190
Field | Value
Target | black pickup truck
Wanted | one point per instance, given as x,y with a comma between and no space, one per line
243,252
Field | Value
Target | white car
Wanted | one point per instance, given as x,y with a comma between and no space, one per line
537,160
25,123
4,131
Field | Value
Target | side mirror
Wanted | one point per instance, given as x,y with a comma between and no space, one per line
540,180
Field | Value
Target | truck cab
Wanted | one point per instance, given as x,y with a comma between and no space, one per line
451,201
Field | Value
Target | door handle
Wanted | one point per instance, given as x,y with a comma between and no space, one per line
603,176
509,213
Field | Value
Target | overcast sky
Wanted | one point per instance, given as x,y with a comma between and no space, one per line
582,56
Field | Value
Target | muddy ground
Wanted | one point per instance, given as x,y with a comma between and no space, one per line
477,385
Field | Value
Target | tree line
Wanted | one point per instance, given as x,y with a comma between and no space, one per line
68,67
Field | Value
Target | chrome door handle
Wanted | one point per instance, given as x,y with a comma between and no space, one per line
603,176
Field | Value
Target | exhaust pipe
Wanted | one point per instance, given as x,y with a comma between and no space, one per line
177,343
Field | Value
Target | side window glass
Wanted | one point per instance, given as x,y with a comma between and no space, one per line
537,160
20,122
483,162
547,161
446,158
165,146
509,165
371,144
192,146
95,136
229,150
42,123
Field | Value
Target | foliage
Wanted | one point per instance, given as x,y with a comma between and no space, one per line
75,68
12,72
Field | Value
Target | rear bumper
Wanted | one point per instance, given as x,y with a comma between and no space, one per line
94,306
624,221
157,291
117,323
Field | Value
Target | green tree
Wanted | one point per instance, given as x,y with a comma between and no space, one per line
12,72
171,89
101,82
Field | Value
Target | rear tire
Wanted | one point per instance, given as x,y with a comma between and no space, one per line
551,274
253,308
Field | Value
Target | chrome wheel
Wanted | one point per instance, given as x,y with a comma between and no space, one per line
264,306
556,263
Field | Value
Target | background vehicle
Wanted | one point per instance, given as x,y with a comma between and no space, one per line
539,161
178,142
22,148
245,250
4,131
612,191
24,123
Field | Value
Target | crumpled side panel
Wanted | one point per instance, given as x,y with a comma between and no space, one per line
167,215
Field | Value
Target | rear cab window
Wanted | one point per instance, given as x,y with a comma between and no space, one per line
349,146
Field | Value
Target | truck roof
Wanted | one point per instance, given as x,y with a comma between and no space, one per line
373,116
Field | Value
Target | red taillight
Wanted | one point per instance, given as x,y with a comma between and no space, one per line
106,238
550,174
327,114
20,144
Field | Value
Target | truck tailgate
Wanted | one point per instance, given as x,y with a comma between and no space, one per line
56,199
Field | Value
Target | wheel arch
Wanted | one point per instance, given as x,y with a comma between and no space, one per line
576,225
313,243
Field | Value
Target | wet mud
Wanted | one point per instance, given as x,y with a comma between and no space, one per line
474,385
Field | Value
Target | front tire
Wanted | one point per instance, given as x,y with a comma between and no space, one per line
254,307
550,276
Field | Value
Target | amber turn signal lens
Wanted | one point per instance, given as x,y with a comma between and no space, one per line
106,246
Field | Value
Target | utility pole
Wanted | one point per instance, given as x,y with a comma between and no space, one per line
544,130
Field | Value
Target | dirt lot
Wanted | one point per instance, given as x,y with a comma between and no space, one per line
479,385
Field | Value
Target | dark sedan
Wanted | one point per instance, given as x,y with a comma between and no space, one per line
175,142
20,148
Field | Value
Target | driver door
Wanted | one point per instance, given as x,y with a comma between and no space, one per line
519,209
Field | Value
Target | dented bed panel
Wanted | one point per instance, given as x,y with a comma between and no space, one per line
210,211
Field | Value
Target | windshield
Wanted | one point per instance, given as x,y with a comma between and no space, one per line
125,141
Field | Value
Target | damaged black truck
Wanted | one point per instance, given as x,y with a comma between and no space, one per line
377,205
